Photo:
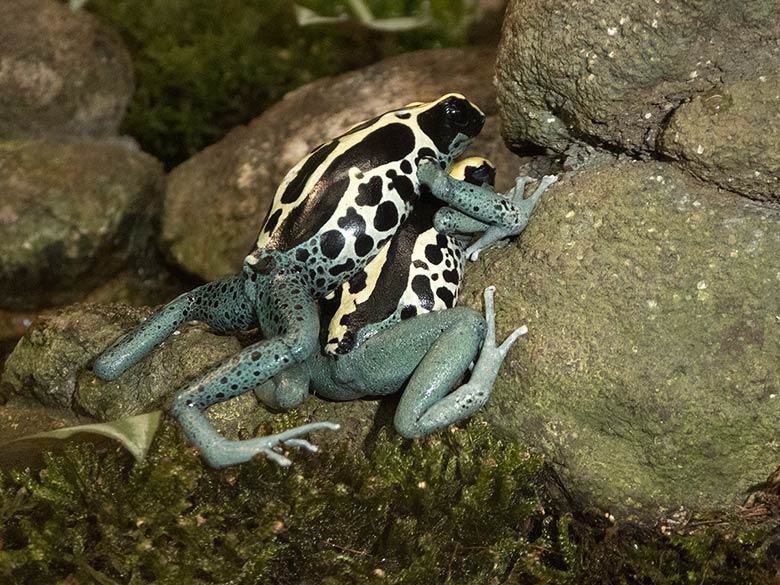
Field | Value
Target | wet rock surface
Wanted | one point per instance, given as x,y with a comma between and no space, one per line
649,376
61,73
216,201
72,214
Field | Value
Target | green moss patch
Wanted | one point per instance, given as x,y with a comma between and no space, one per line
202,67
459,508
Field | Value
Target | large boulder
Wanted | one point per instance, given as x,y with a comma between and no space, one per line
613,73
71,215
61,73
650,376
216,201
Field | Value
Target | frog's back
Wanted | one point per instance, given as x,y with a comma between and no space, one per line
340,205
356,173
418,272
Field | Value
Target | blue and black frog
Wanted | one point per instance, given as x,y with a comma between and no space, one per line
334,212
394,326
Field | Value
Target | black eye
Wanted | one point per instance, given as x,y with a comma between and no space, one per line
457,114
484,174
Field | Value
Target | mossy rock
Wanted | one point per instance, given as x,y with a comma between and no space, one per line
611,73
73,213
729,135
61,73
51,364
650,374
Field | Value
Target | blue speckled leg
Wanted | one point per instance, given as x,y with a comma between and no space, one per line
425,405
432,352
451,222
295,314
222,304
384,362
506,215
497,232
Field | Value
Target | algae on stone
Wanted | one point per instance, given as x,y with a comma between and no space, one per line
649,375
72,215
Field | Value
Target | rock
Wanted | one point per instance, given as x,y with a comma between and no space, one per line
611,73
61,73
13,324
23,416
51,364
71,215
650,377
729,136
216,201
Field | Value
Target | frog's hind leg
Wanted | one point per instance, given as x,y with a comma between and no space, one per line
295,312
427,405
221,304
286,390
429,353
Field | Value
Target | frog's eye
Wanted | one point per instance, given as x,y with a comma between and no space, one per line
456,113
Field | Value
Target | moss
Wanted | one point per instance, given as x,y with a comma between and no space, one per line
726,551
203,67
460,508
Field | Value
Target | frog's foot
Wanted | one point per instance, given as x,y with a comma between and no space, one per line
526,207
518,193
223,453
490,351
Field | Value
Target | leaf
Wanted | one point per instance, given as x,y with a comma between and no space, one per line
134,433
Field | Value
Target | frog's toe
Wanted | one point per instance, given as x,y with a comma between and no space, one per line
303,443
225,453
510,341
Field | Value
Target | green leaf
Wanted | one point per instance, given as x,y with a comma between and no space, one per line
134,433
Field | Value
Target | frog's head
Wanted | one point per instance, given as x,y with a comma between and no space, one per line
475,170
451,122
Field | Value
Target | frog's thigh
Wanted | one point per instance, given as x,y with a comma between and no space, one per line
387,360
222,304
286,390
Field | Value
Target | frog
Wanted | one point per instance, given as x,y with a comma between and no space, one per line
395,326
333,212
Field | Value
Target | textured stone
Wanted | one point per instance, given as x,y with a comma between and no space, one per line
71,215
610,73
217,200
61,73
51,365
730,136
650,376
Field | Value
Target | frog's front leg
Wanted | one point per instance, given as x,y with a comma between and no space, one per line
288,304
507,215
222,304
497,232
